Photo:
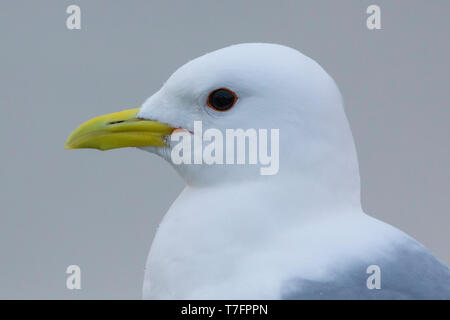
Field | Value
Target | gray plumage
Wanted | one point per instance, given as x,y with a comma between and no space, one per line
409,272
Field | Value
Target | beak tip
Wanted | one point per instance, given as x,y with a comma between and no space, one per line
68,145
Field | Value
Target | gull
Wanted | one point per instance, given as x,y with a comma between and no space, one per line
236,234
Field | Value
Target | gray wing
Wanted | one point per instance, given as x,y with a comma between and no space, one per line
410,271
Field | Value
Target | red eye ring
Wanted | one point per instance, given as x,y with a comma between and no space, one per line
221,99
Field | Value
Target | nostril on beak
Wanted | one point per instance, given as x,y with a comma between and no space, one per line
116,122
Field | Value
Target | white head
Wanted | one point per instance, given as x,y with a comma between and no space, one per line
276,88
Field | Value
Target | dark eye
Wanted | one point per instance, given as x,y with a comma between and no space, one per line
221,99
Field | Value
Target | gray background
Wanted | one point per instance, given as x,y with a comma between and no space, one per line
100,209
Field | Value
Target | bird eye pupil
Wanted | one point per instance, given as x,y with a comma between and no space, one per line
222,99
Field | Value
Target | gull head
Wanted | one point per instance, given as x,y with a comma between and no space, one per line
258,87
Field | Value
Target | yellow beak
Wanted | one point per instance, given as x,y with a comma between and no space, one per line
118,130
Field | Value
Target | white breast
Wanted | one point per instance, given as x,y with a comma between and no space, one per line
212,246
